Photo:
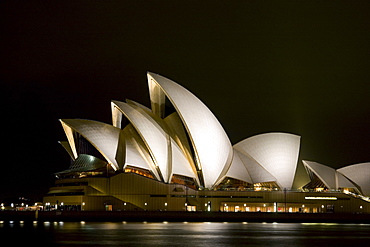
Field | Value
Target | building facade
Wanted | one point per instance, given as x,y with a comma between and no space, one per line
176,156
133,192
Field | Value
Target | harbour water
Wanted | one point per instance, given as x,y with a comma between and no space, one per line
213,234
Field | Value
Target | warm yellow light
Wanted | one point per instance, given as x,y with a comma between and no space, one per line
320,198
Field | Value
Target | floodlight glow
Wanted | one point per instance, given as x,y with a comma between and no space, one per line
320,198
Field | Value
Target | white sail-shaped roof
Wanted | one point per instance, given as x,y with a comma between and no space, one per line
326,174
238,170
343,182
133,156
178,133
189,142
211,145
180,164
359,174
257,173
136,153
155,138
276,152
69,133
329,176
167,155
103,137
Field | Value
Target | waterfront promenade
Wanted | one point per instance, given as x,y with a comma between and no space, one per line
175,216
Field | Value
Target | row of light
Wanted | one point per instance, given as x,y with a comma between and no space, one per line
146,204
61,204
207,204
12,205
123,222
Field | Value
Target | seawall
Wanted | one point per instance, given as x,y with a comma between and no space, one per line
175,216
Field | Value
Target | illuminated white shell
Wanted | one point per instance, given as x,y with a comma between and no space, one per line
275,152
103,137
359,174
211,145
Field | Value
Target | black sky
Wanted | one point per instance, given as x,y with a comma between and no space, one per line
260,66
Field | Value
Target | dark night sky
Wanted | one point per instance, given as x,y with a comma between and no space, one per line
260,66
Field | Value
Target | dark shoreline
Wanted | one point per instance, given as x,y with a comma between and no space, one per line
175,216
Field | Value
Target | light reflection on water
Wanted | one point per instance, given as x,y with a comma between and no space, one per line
184,234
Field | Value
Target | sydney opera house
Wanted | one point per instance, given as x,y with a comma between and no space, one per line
176,156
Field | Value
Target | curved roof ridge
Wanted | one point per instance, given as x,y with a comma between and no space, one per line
102,136
257,172
212,147
277,152
359,174
136,152
238,170
325,173
153,136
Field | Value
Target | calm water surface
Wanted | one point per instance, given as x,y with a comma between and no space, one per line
183,234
